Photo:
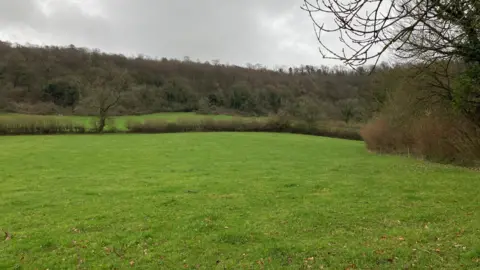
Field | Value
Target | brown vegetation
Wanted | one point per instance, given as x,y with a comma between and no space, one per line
415,121
38,125
433,109
272,124
445,140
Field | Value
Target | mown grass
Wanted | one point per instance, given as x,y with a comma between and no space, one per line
230,201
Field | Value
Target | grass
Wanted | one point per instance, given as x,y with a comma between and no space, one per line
227,201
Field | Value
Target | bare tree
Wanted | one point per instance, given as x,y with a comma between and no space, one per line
429,33
425,29
104,90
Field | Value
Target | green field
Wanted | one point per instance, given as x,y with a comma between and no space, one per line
227,201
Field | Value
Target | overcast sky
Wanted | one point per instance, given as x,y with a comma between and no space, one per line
269,32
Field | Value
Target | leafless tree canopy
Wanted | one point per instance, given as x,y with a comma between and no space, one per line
425,30
105,88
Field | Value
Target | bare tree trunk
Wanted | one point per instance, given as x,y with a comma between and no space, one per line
102,121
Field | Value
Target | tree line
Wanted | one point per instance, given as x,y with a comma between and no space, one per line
71,80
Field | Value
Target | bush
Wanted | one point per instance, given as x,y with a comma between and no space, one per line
436,138
20,125
271,124
381,136
418,120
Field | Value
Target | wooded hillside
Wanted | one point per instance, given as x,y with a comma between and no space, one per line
46,80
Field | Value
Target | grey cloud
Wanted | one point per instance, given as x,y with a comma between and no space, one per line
19,12
269,32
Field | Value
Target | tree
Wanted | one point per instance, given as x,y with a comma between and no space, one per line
307,110
426,32
104,90
180,95
424,29
348,109
62,92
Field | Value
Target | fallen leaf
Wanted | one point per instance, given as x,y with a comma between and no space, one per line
384,237
437,250
132,263
401,238
8,236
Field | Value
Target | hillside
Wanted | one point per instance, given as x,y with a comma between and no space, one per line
46,80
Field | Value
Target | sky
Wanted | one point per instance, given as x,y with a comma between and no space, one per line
269,32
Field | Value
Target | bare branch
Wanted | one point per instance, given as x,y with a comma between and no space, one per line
410,29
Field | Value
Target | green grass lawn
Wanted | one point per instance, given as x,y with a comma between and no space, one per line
227,200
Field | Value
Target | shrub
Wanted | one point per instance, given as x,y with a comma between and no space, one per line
147,126
272,124
19,125
440,139
381,136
